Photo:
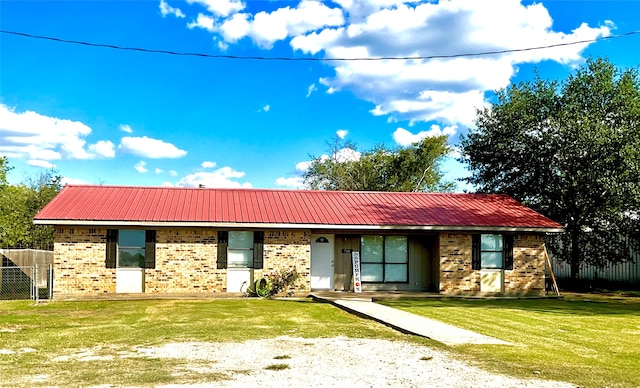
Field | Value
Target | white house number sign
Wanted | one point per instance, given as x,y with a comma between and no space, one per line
357,283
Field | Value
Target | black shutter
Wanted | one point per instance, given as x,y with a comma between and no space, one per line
150,249
475,252
112,248
258,243
223,242
508,251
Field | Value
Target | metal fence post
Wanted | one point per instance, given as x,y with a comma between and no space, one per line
50,281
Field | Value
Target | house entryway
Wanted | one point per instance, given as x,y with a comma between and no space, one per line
322,261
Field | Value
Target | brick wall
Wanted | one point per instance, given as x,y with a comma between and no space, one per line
457,275
528,265
78,262
185,260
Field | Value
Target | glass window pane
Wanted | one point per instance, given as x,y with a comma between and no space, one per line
395,249
491,242
131,257
240,239
371,273
371,249
491,259
395,272
240,258
131,238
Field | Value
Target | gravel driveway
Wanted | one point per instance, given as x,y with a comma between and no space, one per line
329,362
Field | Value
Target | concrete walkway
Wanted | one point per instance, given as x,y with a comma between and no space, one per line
413,324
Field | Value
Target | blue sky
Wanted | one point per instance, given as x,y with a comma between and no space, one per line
105,116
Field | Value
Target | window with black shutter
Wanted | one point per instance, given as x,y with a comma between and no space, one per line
258,255
223,242
150,249
240,249
112,248
492,251
130,248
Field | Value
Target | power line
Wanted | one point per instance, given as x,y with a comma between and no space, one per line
261,58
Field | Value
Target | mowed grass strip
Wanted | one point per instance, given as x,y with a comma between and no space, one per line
592,341
92,343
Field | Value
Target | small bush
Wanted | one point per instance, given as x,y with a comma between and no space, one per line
283,281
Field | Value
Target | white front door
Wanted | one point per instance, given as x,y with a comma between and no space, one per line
322,246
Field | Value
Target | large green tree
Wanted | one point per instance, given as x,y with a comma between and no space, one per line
19,203
411,168
570,150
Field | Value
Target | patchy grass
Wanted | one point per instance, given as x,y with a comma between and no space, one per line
93,343
284,357
277,367
589,340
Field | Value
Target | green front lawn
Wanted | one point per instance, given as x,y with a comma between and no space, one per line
33,337
592,341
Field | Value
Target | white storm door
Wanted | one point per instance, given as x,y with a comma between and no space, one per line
322,246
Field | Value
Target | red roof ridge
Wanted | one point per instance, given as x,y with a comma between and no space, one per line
265,189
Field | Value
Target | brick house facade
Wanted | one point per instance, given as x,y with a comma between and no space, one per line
99,252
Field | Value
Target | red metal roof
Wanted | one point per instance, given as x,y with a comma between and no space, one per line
194,206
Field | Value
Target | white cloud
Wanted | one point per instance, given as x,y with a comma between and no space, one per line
37,137
173,173
158,171
103,148
342,133
303,166
445,90
266,28
207,164
41,163
405,138
293,182
140,167
126,128
312,88
220,7
264,108
166,9
73,181
149,148
235,28
222,177
347,155
204,22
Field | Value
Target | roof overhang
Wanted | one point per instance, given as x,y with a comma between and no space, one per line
234,225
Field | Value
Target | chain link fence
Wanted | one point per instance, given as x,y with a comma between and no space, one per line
26,274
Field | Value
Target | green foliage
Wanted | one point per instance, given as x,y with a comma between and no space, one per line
283,282
412,168
571,151
20,203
